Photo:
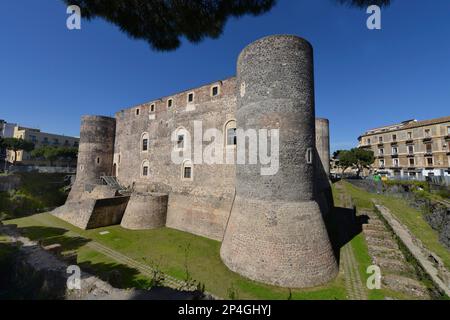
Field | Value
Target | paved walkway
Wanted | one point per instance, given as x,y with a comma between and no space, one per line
353,282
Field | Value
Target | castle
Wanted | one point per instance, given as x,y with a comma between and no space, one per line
271,227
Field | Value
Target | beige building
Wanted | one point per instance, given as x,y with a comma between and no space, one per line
39,139
411,148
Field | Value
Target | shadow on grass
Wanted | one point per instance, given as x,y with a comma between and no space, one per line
343,225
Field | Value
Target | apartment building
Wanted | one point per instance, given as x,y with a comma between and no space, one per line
39,139
411,148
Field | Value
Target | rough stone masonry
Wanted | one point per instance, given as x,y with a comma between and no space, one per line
271,227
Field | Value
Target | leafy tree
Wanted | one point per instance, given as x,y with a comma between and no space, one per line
356,157
346,159
365,3
15,145
364,159
163,22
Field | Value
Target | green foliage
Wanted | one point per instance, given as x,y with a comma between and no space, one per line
37,192
163,23
356,157
365,3
14,144
53,153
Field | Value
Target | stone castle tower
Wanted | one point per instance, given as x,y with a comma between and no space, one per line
271,227
276,233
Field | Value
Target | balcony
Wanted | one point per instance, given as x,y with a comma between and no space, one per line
394,155
427,139
409,141
447,137
428,153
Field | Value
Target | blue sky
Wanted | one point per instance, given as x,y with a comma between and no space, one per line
50,76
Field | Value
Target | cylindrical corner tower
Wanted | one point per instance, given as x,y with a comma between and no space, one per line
95,153
323,143
276,233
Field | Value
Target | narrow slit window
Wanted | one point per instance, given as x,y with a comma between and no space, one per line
309,156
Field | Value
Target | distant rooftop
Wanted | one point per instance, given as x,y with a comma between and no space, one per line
408,124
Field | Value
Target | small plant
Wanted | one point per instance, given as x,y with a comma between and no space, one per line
233,293
290,294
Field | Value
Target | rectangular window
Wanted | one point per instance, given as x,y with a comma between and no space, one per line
381,151
152,108
180,142
145,171
410,149
394,137
411,162
430,161
427,133
368,141
144,144
382,163
187,172
409,135
380,139
448,130
429,148
215,91
395,161
394,151
231,137
137,111
191,97
169,103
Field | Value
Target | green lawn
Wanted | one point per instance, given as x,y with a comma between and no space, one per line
409,216
173,252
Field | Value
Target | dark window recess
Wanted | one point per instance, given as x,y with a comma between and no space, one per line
145,145
215,91
137,111
145,171
169,103
190,97
231,137
187,172
180,142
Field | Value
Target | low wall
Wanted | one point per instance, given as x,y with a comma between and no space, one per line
42,169
145,211
200,215
93,213
107,212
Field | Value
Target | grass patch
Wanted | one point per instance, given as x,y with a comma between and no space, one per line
176,253
410,217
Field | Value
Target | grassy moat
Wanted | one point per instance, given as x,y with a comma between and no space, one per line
189,257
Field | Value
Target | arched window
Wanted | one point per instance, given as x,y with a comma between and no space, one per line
230,133
187,172
145,169
144,142
180,139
